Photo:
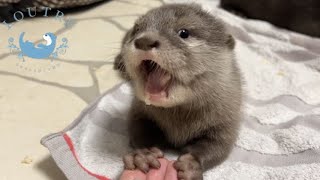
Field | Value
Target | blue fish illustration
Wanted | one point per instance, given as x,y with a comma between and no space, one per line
41,51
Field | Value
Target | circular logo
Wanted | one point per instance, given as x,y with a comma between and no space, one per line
38,50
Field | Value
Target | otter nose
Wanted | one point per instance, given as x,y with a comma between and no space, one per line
146,43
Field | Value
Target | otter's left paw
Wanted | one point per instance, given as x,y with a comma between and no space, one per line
188,168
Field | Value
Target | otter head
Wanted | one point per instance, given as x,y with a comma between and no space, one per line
50,38
168,49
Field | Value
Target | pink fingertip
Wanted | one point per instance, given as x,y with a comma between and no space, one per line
171,172
133,175
158,174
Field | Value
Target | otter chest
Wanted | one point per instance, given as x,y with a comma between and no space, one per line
177,131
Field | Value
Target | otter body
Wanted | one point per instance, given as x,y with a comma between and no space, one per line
180,62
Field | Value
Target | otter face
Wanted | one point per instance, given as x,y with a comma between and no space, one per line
168,49
49,37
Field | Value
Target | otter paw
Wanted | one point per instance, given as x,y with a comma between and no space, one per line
143,159
188,168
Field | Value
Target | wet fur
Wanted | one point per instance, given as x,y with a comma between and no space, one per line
202,119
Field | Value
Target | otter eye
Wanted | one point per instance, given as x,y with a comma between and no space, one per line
183,33
136,29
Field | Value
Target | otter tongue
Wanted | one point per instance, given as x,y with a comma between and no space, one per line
157,82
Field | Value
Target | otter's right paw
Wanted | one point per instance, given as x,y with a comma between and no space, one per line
188,168
143,159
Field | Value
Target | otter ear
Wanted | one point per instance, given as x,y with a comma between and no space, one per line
230,42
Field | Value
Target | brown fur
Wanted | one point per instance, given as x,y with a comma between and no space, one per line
202,113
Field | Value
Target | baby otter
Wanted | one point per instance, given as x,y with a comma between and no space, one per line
187,86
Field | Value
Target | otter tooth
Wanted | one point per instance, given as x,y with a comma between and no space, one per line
163,93
147,101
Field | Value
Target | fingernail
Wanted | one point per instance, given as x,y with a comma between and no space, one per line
158,166
146,170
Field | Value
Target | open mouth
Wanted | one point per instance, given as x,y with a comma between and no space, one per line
157,80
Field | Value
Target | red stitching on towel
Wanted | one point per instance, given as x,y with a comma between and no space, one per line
70,144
